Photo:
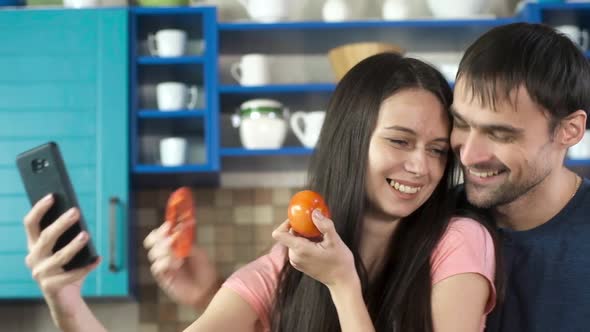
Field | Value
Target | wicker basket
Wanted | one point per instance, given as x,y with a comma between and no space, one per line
343,58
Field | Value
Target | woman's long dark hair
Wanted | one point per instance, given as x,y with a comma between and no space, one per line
399,298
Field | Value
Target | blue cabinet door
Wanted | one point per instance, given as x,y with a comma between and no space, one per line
63,77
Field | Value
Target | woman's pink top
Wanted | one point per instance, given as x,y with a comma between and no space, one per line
466,247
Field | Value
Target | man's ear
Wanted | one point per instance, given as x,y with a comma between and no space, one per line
571,128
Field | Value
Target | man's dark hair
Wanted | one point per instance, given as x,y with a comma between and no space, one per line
554,71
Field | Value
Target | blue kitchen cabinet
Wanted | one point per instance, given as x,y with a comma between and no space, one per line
64,77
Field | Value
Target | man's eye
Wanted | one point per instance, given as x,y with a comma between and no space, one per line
502,137
460,125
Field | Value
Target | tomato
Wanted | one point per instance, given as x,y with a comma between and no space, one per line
180,213
299,212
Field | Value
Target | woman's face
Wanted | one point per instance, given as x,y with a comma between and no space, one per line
407,153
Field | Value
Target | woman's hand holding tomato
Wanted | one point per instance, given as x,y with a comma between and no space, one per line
326,259
299,212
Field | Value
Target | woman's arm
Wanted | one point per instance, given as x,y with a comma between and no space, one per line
332,263
82,320
463,268
350,305
226,312
61,289
459,303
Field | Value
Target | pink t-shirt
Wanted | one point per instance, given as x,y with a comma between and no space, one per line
466,247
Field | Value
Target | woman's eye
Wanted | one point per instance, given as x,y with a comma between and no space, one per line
398,142
439,152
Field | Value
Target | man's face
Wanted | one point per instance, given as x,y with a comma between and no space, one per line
504,153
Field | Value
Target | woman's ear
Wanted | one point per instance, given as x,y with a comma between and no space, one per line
572,128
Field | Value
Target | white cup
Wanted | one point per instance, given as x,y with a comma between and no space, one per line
81,3
312,125
253,69
577,35
266,11
582,149
167,43
173,151
174,96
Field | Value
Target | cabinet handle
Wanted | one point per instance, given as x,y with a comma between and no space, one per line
113,202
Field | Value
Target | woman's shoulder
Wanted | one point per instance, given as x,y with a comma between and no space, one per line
460,226
466,245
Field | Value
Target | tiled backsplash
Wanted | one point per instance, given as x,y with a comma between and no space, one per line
233,225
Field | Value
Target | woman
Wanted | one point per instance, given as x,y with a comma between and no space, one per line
394,258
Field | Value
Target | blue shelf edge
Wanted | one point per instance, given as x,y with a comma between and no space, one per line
159,169
278,88
157,114
156,10
563,6
243,152
181,60
284,88
577,162
425,23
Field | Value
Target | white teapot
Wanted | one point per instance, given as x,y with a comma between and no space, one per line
262,124
267,11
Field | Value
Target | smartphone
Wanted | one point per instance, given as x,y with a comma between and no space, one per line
43,171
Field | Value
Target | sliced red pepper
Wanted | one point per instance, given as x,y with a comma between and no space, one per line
180,213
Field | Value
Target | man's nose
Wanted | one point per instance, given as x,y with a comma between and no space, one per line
474,149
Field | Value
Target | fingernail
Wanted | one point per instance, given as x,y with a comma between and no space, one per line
81,236
71,213
47,198
318,214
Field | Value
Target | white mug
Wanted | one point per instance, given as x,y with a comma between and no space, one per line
266,11
312,125
174,96
576,34
582,149
81,3
173,151
167,43
253,69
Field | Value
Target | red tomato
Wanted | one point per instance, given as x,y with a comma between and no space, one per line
180,213
300,208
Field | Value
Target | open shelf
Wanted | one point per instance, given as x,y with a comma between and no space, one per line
157,114
577,162
359,24
277,88
181,60
158,169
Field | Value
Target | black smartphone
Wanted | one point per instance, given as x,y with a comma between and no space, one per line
43,171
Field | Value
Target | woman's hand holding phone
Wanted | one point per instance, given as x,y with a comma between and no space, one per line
61,289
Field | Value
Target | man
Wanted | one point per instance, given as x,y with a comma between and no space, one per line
520,101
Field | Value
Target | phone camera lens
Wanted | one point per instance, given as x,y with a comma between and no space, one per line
39,164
